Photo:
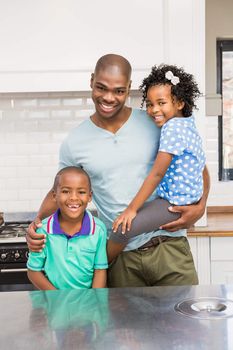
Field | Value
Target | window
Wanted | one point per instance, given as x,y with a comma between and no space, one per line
225,122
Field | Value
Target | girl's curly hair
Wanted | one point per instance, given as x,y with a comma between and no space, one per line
186,90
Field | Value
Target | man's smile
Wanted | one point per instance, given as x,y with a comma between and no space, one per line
107,108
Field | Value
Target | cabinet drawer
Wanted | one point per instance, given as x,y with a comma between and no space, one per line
221,248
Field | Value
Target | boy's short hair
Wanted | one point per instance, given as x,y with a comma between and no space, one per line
79,170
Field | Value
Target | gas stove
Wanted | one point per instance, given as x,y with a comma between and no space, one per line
13,247
14,251
14,226
13,232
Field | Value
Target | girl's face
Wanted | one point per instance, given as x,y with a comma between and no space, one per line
161,105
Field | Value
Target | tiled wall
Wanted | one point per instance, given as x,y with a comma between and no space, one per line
32,127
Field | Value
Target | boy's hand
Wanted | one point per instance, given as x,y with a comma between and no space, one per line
124,219
35,241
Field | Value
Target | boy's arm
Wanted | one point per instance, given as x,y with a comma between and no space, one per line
190,213
101,262
36,241
99,279
39,280
35,265
114,249
161,164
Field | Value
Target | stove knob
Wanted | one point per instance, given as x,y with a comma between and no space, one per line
4,256
17,255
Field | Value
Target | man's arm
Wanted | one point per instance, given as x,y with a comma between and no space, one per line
190,213
48,206
36,241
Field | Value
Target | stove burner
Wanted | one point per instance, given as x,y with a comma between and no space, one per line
21,233
7,234
13,231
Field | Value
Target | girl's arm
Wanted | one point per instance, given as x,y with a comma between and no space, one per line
39,280
156,174
99,279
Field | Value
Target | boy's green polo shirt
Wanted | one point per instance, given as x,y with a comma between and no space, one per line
70,261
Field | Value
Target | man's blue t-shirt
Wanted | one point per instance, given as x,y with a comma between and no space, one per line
117,165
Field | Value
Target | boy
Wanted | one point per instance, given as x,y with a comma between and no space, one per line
75,252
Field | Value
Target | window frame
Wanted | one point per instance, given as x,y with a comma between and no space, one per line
223,45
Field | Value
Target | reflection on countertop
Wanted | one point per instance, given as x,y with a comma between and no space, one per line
121,318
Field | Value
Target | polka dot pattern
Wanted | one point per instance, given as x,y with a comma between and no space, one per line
182,183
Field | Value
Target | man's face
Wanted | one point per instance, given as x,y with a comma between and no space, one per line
110,89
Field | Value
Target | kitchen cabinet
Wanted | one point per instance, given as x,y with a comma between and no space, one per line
46,46
200,247
212,248
221,260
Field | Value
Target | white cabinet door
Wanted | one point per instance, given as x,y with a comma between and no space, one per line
222,272
193,247
46,47
221,260
221,248
200,248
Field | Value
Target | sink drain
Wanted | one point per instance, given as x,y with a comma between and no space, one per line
205,308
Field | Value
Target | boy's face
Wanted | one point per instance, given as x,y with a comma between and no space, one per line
72,194
161,105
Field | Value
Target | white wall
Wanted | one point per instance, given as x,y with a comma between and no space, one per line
219,24
32,127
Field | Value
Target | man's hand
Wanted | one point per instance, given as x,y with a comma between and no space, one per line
35,241
125,219
189,215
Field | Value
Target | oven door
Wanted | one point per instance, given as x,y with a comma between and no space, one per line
13,277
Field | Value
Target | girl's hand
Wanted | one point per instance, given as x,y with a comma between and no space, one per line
124,219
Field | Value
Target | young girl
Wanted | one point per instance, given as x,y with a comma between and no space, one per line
74,255
170,95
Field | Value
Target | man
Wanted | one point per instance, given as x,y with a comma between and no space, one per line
117,146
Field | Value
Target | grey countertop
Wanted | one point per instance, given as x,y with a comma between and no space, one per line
122,319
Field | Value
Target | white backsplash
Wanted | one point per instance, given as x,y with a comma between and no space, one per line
32,127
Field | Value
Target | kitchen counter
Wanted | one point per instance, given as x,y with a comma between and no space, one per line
218,224
130,318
